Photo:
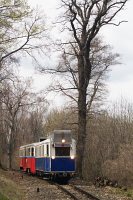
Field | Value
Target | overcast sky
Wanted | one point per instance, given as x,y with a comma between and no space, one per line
120,82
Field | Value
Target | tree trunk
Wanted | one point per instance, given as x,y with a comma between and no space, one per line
11,145
81,116
10,153
10,159
81,131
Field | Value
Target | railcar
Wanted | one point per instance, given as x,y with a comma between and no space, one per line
52,157
27,158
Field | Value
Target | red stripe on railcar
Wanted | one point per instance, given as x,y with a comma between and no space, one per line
23,163
30,164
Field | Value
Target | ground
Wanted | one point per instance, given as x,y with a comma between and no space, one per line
18,186
105,193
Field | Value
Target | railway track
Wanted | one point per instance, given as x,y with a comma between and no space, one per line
76,192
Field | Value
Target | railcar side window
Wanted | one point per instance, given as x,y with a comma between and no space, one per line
32,151
27,151
24,152
62,151
20,152
42,150
47,150
39,151
36,151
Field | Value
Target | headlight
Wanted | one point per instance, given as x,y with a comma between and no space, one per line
63,140
72,157
53,157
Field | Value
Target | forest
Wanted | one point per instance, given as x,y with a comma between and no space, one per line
103,133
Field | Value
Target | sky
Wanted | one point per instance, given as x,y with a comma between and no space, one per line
120,81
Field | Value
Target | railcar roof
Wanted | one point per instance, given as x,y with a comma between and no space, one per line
51,134
43,142
29,145
59,131
34,144
48,138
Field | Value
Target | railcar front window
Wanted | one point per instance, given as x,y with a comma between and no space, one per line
62,151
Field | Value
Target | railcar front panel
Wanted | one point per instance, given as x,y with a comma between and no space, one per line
63,164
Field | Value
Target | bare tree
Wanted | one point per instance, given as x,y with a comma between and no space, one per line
67,74
84,19
21,30
16,99
22,33
13,98
37,117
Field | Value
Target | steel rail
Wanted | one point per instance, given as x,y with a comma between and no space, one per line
67,191
81,191
86,193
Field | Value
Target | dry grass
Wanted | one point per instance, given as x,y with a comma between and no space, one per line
127,193
123,192
2,197
9,189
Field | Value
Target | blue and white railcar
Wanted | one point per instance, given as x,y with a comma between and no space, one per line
55,156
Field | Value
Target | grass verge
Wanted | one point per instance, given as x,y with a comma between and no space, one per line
9,190
124,192
2,197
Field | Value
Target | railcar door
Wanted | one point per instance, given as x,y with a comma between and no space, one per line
47,163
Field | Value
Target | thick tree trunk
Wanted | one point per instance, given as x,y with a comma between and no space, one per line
10,160
10,153
11,146
84,69
81,116
81,131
